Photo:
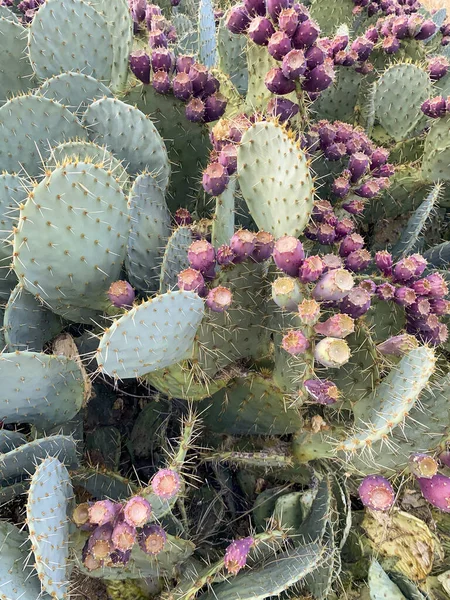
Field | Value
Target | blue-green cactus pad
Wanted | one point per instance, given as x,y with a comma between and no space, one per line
27,323
151,336
175,258
232,56
81,212
207,45
90,48
7,13
48,525
29,127
10,440
12,193
150,228
42,389
15,69
74,90
130,135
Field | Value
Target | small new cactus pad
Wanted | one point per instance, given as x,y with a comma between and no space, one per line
151,336
50,54
48,525
275,180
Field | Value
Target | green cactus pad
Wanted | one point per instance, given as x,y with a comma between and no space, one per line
83,212
81,151
7,13
103,484
331,15
223,220
48,525
187,35
120,26
150,228
380,586
439,256
274,178
314,525
182,381
22,461
17,581
130,135
28,323
55,23
175,258
12,193
41,389
10,440
319,582
74,90
251,405
151,336
232,57
207,33
398,96
15,70
29,127
338,101
436,153
288,569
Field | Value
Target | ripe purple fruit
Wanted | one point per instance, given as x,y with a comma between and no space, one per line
123,536
279,45
295,342
306,34
260,30
274,7
102,512
282,108
161,82
435,107
311,269
195,110
236,555
237,19
255,7
162,59
198,74
182,86
215,179
356,303
243,244
288,255
137,511
322,391
215,106
437,67
277,83
191,280
294,64
121,294
166,484
152,539
333,285
319,78
358,260
140,65
225,255
201,255
264,244
351,243
358,165
376,493
184,63
436,490
228,158
219,299
288,21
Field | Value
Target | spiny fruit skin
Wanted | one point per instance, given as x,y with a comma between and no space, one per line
376,493
121,294
152,539
332,352
322,391
102,512
337,326
243,244
436,490
191,280
333,285
423,465
166,484
137,511
236,555
201,255
219,299
295,342
289,255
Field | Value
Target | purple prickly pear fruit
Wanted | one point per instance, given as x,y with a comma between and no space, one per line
391,44
137,511
427,29
337,326
445,40
152,539
306,34
219,299
355,206
157,39
237,19
341,186
161,82
140,65
332,352
121,294
243,244
118,557
358,260
405,296
434,336
279,45
326,234
327,133
123,537
182,86
384,171
440,307
215,179
421,308
356,303
288,255
422,465
339,43
228,158
137,9
191,280
264,244
333,285
436,490
404,270
435,107
310,232
363,47
198,74
331,261
182,217
225,255
398,345
294,64
277,83
444,458
439,287
215,106
211,86
437,67
399,27
345,58
369,285
295,342
286,293
99,544
320,209
343,228
102,512
80,515
195,110
288,21
385,291
236,555
166,484
162,59
311,269
384,262
88,560
260,30
282,108
201,255
274,7
322,391
319,78
376,493
358,165
369,189
364,68
315,55
255,7
309,311
372,34
184,63
351,243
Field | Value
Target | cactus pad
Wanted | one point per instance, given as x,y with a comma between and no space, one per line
15,70
175,258
274,177
74,90
436,153
207,33
232,56
12,193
